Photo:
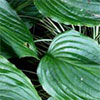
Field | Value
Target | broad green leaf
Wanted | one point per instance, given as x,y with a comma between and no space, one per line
71,68
30,15
6,50
16,3
26,10
14,33
51,98
76,12
14,85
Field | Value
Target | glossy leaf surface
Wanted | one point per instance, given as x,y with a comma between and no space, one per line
76,12
6,50
71,68
51,98
14,33
27,11
14,85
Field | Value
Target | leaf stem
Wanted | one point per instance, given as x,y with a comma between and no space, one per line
94,33
43,40
73,27
80,29
54,25
97,31
61,27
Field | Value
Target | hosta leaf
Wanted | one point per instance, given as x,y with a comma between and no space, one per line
26,10
14,32
51,98
30,15
14,85
71,68
6,50
76,12
18,3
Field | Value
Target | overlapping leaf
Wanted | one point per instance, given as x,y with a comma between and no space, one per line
51,98
30,15
6,50
76,12
14,33
71,68
27,11
14,85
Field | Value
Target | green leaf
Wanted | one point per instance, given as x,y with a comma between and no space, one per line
14,33
30,15
18,3
27,11
76,12
6,50
71,68
51,98
14,85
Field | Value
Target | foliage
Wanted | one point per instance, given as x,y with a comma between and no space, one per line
70,69
14,84
76,12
